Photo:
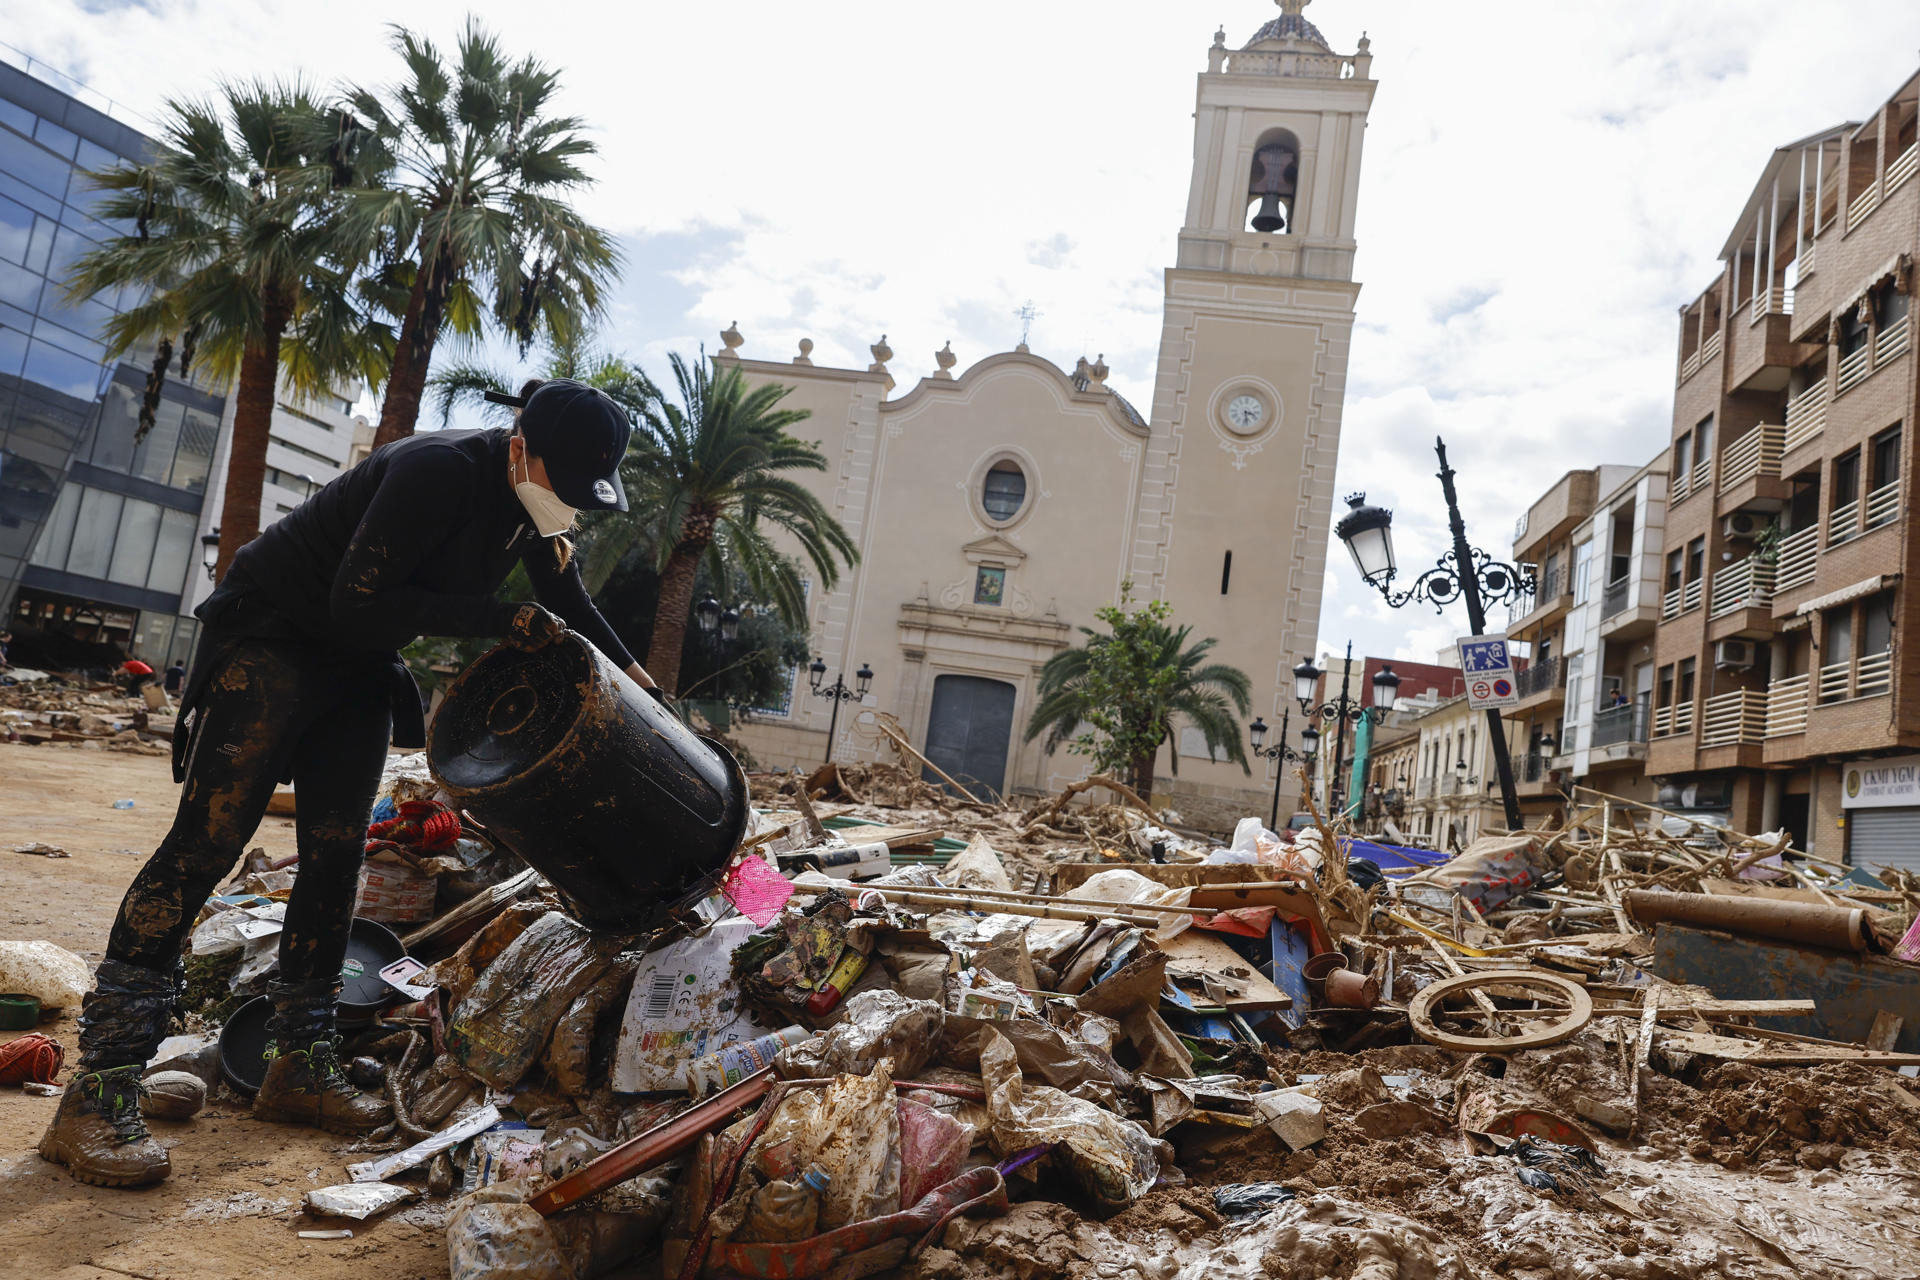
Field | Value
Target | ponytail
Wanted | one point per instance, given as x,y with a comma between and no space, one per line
562,550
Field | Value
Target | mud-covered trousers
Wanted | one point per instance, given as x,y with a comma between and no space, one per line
266,714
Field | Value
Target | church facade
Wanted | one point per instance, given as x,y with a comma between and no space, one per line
997,508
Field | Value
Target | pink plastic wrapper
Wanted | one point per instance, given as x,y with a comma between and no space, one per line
757,890
1909,947
933,1146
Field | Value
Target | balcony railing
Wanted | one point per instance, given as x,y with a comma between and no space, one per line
1746,584
1883,505
1807,260
1680,599
1735,717
1614,598
1678,485
1843,523
1853,367
1702,475
1671,721
1616,725
1798,556
1767,301
1711,347
1806,416
1787,706
1873,675
1757,453
1890,341
1533,767
1423,789
1539,677
1834,681
1863,204
1902,168
1689,366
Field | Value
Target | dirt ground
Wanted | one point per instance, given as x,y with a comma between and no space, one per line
232,1206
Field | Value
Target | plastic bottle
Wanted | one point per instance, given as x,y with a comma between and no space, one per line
785,1210
731,1065
845,974
123,804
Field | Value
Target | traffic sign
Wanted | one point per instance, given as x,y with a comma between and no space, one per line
1487,664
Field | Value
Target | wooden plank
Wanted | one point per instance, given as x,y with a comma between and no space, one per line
1642,1050
1779,1056
1885,1030
1196,949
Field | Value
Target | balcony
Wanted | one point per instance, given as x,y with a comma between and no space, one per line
1614,598
1853,368
1423,789
1619,733
1890,342
1747,584
1883,505
1768,302
1680,599
1540,680
1806,417
1674,720
1734,719
1787,706
1863,204
1691,481
1900,169
1796,559
1754,455
1554,593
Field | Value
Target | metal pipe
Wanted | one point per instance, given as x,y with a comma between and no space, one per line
1838,928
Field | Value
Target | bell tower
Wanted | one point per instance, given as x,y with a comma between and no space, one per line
1258,319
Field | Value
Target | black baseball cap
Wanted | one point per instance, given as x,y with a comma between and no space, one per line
581,434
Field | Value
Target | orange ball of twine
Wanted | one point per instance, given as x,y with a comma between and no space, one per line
31,1059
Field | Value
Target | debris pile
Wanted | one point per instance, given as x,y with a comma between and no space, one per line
945,1039
38,709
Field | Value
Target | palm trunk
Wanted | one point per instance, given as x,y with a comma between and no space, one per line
670,618
407,381
1142,779
252,423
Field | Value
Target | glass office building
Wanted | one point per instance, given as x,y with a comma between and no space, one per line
98,532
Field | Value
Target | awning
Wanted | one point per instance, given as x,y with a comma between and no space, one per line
1865,587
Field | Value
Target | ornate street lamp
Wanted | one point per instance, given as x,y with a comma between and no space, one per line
1341,712
1280,753
1463,572
210,551
838,692
707,614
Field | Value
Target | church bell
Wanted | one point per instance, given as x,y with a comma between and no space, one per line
1276,169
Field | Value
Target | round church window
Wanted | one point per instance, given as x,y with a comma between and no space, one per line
1003,492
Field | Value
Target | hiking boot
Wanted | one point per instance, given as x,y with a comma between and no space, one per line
99,1133
309,1086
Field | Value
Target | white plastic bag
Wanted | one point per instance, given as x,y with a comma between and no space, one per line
54,976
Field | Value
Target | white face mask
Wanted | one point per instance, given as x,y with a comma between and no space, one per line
543,506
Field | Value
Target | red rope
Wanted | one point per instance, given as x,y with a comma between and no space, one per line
31,1059
423,824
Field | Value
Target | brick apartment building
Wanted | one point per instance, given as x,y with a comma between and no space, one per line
1779,697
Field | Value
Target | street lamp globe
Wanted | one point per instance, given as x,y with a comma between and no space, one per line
707,614
817,671
1310,739
1460,770
729,626
1368,533
1306,679
1258,732
865,676
1386,686
210,550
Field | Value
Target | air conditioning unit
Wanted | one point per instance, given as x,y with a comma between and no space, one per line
1743,524
1733,654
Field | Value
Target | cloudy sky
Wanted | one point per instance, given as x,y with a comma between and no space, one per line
1544,184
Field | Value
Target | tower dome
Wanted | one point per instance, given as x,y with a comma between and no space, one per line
1291,25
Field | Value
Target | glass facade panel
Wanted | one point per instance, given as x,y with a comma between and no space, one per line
57,536
172,553
94,531
199,432
133,544
26,494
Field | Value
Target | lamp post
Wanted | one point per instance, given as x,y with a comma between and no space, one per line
1342,711
1280,752
210,551
838,692
718,626
1462,572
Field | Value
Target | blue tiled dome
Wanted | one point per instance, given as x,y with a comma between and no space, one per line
1290,26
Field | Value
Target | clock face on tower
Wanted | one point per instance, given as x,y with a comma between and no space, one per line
1245,413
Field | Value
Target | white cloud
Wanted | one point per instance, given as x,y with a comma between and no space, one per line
1544,184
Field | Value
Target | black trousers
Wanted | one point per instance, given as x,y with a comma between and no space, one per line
268,714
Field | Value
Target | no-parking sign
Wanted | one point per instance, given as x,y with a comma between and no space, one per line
1488,667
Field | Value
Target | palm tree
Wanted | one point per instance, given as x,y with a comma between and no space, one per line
705,478
468,215
235,236
1130,684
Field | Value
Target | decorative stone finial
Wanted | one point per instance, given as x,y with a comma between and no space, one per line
945,358
1220,38
1082,373
881,354
1099,371
732,338
806,352
1292,8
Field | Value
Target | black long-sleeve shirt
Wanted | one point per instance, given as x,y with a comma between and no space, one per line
411,542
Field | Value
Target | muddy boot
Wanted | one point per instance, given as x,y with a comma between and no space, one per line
309,1086
99,1134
